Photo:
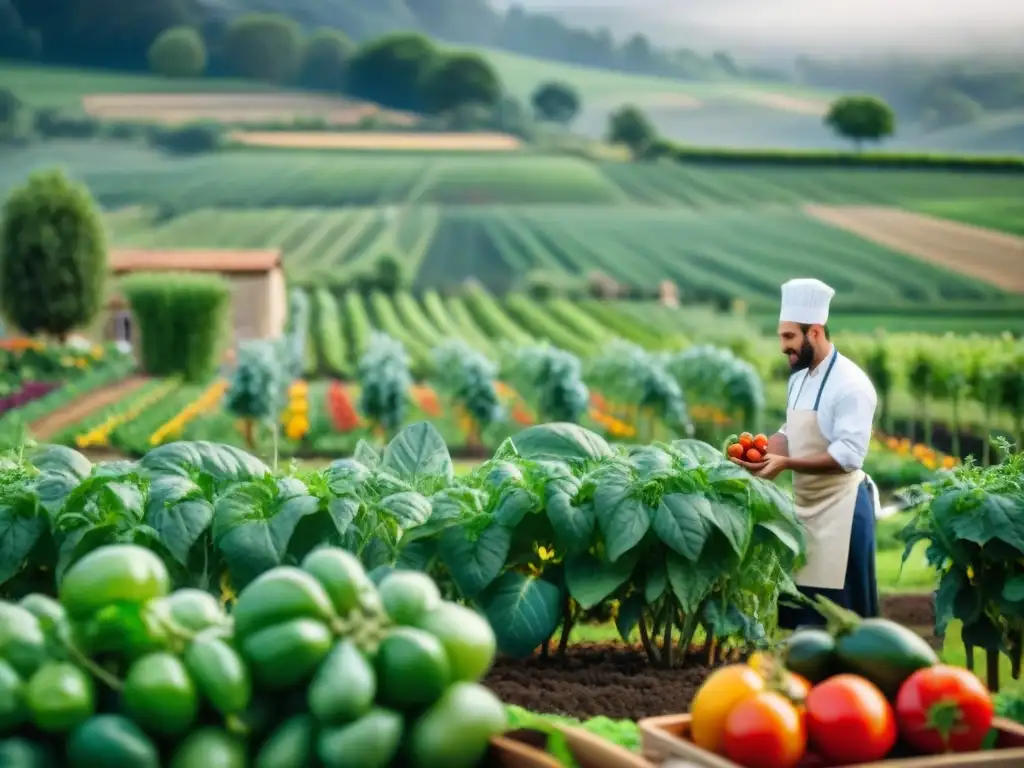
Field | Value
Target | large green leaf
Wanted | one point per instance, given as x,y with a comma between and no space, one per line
475,560
733,521
699,452
59,459
682,523
513,504
419,453
524,612
561,440
221,462
408,509
591,580
623,518
573,525
692,583
346,476
179,514
21,526
994,516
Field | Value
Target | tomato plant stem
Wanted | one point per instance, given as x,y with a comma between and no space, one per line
645,638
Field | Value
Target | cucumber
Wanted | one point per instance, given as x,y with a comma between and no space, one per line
811,653
884,652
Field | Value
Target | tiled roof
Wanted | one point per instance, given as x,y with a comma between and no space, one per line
199,260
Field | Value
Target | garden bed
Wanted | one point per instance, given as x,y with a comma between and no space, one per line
616,680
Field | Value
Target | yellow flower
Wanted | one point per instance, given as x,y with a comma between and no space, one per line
545,553
948,462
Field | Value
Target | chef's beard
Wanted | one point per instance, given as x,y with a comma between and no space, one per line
804,357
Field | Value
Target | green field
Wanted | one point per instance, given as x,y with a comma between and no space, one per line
1006,214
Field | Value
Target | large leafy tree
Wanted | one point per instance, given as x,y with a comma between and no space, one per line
861,118
556,102
53,256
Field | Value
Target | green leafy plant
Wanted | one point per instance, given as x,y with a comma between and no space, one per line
384,378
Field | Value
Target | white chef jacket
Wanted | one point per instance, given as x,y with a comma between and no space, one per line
846,412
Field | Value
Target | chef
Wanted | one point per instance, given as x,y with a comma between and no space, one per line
829,414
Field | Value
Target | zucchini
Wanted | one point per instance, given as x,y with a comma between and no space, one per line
884,652
811,653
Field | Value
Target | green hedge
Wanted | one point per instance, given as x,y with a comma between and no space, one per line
835,159
182,320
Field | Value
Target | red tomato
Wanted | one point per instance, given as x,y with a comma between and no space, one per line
944,709
747,441
735,451
761,443
849,721
765,731
754,456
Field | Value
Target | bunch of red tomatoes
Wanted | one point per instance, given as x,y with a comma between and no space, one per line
747,447
759,715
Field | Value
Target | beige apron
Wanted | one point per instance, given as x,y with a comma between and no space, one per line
824,503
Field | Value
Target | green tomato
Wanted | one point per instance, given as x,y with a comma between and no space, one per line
22,753
12,698
344,578
119,573
344,687
412,669
408,595
160,695
277,596
372,741
219,673
111,741
60,696
290,745
192,609
287,654
455,731
467,638
22,640
209,748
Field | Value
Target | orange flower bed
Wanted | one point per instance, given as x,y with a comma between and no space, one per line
343,413
920,452
427,401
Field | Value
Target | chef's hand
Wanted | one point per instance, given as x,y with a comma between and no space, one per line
773,465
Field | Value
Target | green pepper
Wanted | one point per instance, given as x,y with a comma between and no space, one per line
344,687
209,748
12,698
286,654
277,596
191,609
372,741
119,573
111,741
60,696
159,694
219,673
22,641
290,745
344,578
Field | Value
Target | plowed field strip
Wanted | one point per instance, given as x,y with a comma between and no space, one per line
53,423
994,257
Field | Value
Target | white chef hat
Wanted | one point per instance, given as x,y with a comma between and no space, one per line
805,301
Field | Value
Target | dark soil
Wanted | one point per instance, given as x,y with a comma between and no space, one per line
616,681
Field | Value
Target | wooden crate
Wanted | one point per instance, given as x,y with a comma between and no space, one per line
666,738
524,748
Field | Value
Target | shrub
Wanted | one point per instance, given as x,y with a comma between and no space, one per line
264,47
187,139
182,322
54,124
178,52
324,60
53,256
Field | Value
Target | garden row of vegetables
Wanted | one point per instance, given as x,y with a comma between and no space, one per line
555,524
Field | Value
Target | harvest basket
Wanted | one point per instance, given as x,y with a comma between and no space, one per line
666,738
524,748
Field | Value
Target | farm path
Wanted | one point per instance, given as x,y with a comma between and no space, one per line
985,254
53,423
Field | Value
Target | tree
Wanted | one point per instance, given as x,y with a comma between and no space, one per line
861,118
637,55
630,126
178,52
461,78
264,47
556,102
53,256
325,59
391,70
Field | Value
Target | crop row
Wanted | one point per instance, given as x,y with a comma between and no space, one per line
558,522
713,255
